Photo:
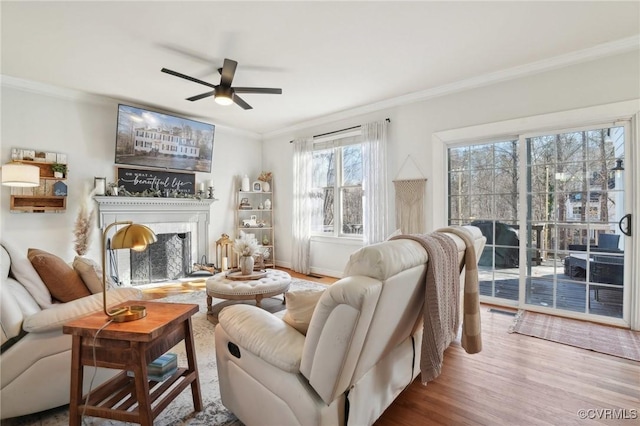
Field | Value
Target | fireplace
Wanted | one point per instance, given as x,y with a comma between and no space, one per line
182,227
167,259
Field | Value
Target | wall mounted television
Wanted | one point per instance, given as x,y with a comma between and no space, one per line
154,139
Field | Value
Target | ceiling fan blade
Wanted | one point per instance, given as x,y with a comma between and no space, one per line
201,96
186,77
266,90
228,71
240,102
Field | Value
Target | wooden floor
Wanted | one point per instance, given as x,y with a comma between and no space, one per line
515,380
521,380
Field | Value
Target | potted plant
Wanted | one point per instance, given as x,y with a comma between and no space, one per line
59,170
114,189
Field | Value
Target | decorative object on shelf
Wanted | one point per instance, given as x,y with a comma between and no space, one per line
267,204
265,178
16,174
210,188
99,185
257,186
60,189
260,206
246,247
135,237
265,240
114,189
244,204
246,184
59,170
251,222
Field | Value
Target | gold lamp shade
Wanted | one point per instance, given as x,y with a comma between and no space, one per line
134,237
20,175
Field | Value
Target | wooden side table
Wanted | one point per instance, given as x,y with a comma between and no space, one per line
130,346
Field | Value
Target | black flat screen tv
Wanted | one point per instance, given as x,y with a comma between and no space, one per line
163,141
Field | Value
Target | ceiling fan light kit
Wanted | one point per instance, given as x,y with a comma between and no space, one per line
224,93
223,99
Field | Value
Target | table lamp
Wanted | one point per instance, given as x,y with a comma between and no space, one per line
135,237
20,175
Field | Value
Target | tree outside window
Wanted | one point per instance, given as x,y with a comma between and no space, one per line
337,172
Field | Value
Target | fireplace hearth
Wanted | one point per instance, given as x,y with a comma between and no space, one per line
182,225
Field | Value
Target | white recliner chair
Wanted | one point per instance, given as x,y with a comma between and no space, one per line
35,364
361,350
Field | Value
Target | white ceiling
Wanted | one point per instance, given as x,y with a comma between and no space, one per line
327,57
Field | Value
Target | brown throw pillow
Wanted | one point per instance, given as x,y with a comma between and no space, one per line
63,282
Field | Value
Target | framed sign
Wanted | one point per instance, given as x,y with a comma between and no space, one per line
139,180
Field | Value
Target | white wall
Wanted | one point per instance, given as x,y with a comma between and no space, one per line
592,83
84,127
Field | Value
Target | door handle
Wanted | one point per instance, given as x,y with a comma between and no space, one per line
626,232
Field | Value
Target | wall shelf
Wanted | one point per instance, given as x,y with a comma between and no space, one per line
41,199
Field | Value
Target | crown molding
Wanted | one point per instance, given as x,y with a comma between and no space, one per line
80,96
53,91
599,51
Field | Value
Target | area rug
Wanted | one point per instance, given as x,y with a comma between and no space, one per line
582,334
180,411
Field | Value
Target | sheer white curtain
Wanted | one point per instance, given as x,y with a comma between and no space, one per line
302,180
374,181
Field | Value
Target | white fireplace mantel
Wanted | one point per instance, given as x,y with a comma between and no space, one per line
146,210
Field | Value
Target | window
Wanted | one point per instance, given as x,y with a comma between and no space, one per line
337,191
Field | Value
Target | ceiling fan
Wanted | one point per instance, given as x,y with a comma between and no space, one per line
224,93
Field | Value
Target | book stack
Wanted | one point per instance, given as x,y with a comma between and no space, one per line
161,368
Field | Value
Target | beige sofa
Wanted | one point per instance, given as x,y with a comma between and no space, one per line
35,362
361,350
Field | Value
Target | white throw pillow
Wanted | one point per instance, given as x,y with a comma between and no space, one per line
26,274
91,274
300,307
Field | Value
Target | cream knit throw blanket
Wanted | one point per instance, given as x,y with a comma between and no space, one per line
442,289
471,331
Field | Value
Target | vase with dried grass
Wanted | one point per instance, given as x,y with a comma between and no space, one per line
246,247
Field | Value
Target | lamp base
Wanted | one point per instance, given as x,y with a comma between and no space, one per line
128,313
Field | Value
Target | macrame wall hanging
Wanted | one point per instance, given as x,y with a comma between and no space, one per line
410,202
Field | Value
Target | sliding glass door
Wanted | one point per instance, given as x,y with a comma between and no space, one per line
552,208
575,200
483,191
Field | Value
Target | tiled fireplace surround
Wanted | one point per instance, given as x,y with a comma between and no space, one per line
162,215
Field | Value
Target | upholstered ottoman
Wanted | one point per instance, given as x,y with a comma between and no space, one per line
275,282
